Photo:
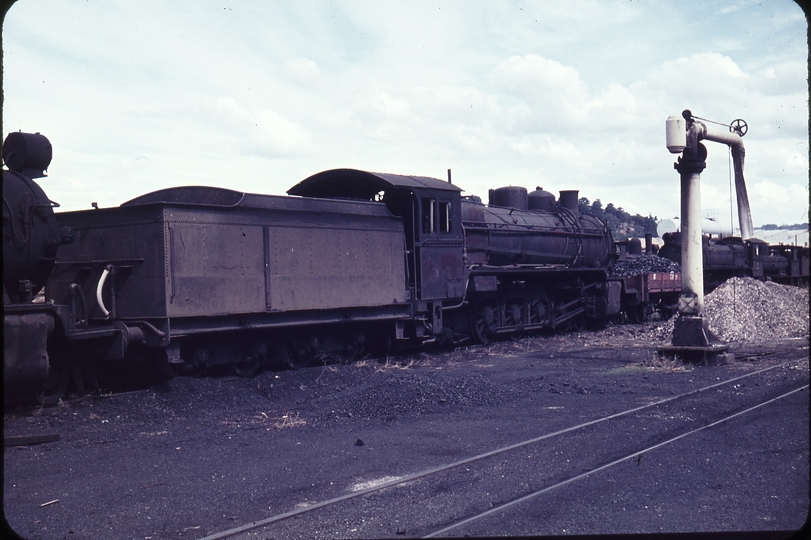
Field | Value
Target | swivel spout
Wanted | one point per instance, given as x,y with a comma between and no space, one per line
735,142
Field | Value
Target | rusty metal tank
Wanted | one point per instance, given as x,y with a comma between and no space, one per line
520,228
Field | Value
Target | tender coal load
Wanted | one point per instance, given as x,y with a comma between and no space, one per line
644,264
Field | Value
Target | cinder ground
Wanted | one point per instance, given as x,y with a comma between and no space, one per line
190,457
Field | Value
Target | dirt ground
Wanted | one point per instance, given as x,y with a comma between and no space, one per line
191,456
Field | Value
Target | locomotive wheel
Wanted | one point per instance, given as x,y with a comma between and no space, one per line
485,320
514,315
539,306
575,324
636,314
56,384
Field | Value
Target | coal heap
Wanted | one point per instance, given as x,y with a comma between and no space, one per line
746,309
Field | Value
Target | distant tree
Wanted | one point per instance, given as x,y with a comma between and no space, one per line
621,224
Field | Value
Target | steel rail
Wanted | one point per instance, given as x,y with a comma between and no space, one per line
609,464
434,470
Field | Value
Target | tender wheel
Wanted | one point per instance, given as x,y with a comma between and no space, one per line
195,366
293,356
251,362
485,320
56,384
246,369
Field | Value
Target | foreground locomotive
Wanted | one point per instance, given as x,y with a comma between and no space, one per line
352,261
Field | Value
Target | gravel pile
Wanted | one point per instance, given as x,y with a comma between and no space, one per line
745,309
644,263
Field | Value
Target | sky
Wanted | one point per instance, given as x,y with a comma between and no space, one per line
256,95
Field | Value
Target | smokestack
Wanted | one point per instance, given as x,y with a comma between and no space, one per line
568,199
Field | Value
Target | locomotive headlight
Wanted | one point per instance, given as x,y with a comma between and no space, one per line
676,134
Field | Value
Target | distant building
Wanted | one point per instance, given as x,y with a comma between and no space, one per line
796,237
786,237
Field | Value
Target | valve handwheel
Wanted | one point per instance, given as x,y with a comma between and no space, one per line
739,126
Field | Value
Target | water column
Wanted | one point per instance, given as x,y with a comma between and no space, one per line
691,338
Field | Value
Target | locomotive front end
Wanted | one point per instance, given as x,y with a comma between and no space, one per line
31,238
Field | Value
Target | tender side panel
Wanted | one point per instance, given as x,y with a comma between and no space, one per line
216,269
325,268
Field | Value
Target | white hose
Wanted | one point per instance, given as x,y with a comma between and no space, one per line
98,291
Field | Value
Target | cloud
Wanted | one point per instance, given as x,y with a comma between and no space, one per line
302,70
278,135
703,74
388,105
467,105
565,95
782,78
551,95
270,133
773,199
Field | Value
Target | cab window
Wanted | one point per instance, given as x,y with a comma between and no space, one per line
429,221
444,217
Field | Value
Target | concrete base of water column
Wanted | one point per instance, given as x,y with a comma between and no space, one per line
693,341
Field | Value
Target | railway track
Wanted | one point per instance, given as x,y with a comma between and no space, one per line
451,498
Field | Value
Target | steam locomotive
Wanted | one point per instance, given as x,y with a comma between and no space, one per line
729,257
31,238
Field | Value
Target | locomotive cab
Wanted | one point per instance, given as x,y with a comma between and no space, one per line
432,227
432,223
